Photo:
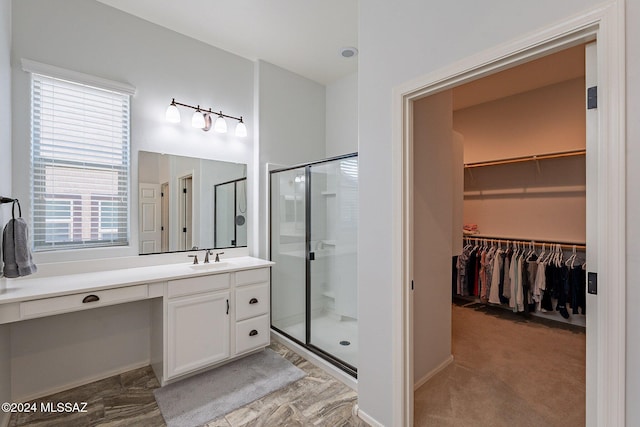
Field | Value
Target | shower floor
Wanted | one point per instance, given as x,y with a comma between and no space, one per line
327,331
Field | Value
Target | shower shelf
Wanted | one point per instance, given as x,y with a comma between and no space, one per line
329,294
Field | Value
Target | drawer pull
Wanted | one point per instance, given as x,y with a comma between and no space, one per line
253,301
253,333
90,298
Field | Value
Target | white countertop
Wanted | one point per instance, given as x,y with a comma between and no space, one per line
34,287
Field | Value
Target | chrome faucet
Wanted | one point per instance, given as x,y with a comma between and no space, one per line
218,256
195,258
206,256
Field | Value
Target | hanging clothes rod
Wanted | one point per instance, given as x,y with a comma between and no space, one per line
536,157
4,200
538,243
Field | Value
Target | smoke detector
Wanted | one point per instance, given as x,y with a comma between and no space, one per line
348,52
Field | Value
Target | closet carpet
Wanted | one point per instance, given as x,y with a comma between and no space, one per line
507,371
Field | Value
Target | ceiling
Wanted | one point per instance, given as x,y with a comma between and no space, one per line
565,65
302,36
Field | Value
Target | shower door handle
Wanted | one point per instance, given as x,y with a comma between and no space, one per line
312,256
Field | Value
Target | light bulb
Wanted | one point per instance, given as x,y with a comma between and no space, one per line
197,120
221,125
241,129
173,114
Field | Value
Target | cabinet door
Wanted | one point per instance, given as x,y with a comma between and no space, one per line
198,332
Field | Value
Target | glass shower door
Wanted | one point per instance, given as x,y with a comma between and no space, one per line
288,251
333,214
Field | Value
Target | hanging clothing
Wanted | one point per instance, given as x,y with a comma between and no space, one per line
522,280
505,293
496,277
578,280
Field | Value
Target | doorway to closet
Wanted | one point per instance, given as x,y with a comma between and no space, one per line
606,197
517,166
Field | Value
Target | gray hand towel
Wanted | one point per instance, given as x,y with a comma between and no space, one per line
15,249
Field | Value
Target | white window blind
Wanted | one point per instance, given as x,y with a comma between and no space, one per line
80,165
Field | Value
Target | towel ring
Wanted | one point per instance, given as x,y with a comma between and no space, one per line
13,209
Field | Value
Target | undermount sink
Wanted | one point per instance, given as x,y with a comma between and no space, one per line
210,266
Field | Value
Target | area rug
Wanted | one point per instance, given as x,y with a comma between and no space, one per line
205,397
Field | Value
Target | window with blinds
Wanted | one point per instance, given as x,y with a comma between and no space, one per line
80,165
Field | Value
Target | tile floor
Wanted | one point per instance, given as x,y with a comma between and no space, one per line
127,400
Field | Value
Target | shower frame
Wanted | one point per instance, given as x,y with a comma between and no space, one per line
336,361
235,209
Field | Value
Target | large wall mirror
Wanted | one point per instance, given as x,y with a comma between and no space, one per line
187,203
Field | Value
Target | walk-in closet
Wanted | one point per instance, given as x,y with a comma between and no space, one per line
517,285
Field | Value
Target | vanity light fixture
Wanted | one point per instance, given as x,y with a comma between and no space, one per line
173,114
197,120
220,125
241,129
202,119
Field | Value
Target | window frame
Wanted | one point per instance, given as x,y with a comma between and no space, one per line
122,186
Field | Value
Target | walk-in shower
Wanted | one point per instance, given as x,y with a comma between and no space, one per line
314,224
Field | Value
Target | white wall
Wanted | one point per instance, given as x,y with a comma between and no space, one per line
45,352
5,181
545,120
5,111
292,126
342,116
400,41
92,38
433,220
540,201
633,212
89,37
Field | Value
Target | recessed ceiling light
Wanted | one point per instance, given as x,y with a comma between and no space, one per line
348,52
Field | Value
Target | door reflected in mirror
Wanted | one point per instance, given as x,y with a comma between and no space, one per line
187,203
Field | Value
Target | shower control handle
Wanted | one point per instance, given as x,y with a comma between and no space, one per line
253,333
253,301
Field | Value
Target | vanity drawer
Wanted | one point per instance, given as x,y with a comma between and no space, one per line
247,277
252,301
195,285
252,334
67,303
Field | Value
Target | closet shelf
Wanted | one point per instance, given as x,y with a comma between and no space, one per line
556,155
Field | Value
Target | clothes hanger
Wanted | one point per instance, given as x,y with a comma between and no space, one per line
531,252
466,243
541,256
571,260
560,256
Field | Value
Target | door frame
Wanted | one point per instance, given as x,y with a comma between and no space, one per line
605,24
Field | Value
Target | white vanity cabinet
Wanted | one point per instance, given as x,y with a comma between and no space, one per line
213,318
179,318
198,332
252,310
